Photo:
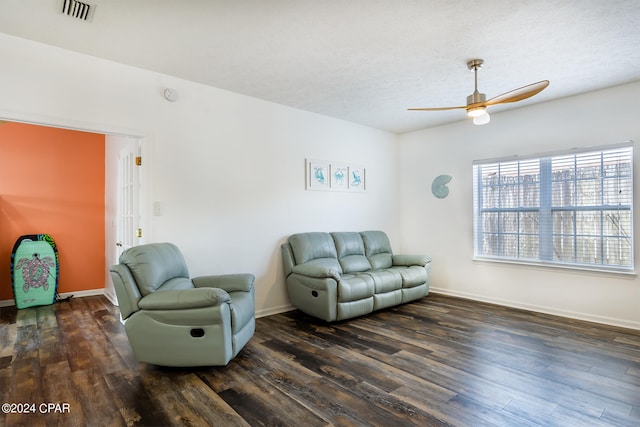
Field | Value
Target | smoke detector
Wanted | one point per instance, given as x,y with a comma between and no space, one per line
77,9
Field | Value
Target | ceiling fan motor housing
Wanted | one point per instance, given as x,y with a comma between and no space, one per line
476,97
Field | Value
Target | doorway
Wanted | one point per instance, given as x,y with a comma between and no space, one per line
116,146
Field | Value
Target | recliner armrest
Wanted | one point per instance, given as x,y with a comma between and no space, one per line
288,260
126,290
188,298
408,260
228,282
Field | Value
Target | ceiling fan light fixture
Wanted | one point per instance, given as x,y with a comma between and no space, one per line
482,120
477,112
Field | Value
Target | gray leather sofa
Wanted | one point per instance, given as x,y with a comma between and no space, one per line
336,276
172,320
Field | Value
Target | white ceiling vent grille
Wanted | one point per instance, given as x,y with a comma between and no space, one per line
77,9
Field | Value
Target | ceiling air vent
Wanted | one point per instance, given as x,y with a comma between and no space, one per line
77,9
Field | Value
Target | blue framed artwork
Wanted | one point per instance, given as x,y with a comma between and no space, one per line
317,174
339,176
357,178
325,175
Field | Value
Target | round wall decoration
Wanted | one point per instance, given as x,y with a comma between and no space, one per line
439,186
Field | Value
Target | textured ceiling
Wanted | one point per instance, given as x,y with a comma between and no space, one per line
365,61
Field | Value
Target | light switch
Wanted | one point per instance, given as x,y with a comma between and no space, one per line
157,208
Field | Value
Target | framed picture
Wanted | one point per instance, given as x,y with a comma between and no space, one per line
357,178
317,174
339,179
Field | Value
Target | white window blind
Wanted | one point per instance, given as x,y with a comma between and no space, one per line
569,209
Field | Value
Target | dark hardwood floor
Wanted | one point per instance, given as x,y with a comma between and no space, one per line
438,361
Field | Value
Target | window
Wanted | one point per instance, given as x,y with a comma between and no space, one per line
570,209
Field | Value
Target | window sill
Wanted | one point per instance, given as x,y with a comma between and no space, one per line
546,266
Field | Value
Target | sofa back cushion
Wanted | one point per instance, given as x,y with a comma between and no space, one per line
350,250
309,246
153,264
377,248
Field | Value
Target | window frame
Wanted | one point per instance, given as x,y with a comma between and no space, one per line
545,211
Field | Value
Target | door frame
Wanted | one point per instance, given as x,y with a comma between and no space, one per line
114,147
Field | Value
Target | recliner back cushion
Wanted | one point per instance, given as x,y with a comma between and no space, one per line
308,246
350,250
152,265
377,249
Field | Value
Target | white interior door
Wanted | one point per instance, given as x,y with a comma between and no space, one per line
128,221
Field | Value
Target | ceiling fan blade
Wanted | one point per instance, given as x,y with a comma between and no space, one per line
518,94
436,109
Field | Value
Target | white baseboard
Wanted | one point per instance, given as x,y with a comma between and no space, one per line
112,298
274,310
80,294
540,309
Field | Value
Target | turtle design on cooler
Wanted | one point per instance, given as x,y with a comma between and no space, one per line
35,271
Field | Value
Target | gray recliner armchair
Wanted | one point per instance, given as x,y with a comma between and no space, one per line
172,320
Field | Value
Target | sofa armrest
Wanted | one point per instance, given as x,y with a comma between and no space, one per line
318,270
408,260
184,299
228,282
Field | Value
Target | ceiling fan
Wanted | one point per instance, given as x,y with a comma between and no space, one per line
477,102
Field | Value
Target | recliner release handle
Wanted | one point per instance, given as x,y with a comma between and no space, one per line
197,333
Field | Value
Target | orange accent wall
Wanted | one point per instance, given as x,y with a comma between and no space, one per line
53,181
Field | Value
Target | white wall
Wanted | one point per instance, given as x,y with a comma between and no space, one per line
443,228
227,170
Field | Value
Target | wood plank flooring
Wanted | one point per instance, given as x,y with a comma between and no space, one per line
437,361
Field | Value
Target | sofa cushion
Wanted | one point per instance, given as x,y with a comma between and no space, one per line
377,249
385,280
412,275
308,246
387,299
350,251
355,287
350,309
